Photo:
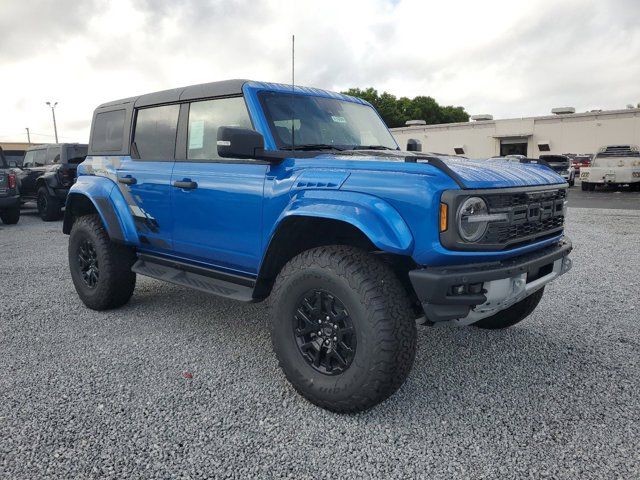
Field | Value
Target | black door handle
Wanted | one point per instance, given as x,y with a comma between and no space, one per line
127,180
186,184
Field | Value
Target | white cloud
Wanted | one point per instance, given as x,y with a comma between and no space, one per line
497,56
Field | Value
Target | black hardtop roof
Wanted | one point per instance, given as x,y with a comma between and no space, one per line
203,90
42,146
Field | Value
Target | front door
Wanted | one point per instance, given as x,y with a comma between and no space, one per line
217,203
33,166
145,178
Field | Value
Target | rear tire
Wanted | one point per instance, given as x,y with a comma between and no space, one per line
584,186
10,216
358,296
48,207
512,315
100,269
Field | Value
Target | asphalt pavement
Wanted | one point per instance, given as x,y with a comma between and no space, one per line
178,384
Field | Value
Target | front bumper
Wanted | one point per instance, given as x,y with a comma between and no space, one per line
469,293
9,202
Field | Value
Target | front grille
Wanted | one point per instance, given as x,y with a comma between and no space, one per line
530,215
505,200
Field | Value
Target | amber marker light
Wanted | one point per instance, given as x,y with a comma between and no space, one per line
444,210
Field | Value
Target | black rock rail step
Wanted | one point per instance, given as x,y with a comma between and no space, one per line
206,280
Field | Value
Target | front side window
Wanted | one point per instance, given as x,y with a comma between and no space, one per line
155,134
28,159
204,120
108,131
40,159
311,122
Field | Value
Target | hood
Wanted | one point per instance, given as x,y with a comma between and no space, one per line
491,173
497,173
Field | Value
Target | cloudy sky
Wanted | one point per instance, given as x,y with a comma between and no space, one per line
509,58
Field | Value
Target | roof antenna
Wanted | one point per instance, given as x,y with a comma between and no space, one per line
293,86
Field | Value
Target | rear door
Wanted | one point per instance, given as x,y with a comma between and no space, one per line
217,202
144,178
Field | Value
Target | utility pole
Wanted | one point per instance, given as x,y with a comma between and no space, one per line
53,112
28,135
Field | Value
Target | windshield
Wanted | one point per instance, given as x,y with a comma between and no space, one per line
323,123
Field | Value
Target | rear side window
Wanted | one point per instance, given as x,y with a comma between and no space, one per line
108,131
76,153
205,118
53,155
155,133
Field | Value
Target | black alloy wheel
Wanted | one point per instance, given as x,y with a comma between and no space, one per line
324,332
88,263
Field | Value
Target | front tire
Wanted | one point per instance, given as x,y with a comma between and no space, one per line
10,216
48,207
342,328
100,269
514,314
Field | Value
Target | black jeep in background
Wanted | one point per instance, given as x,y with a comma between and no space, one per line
47,173
9,198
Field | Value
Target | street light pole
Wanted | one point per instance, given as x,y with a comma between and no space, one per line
53,112
28,135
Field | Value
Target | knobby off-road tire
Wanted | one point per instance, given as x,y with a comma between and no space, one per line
512,315
48,207
89,247
371,300
10,216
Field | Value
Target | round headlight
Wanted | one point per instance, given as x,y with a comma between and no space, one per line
471,218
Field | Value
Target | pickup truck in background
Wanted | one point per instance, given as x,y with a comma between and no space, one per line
614,165
9,197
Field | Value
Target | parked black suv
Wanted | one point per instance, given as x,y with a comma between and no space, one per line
9,198
47,173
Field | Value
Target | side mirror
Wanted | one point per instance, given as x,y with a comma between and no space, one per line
235,142
414,145
13,164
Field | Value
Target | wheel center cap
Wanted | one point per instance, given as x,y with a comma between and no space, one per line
327,330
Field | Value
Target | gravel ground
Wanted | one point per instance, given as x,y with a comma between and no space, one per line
183,385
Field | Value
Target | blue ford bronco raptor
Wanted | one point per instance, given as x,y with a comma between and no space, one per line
252,190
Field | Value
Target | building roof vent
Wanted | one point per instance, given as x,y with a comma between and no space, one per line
413,123
481,117
563,110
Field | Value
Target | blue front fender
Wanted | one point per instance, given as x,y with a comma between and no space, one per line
108,202
374,217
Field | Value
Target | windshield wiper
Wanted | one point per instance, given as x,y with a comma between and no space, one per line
312,146
372,147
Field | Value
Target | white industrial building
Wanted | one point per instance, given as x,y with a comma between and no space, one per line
562,132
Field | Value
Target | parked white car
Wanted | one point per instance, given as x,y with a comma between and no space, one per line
613,165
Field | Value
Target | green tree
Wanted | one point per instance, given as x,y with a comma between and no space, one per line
396,111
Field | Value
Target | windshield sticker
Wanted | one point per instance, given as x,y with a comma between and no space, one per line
338,119
196,135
